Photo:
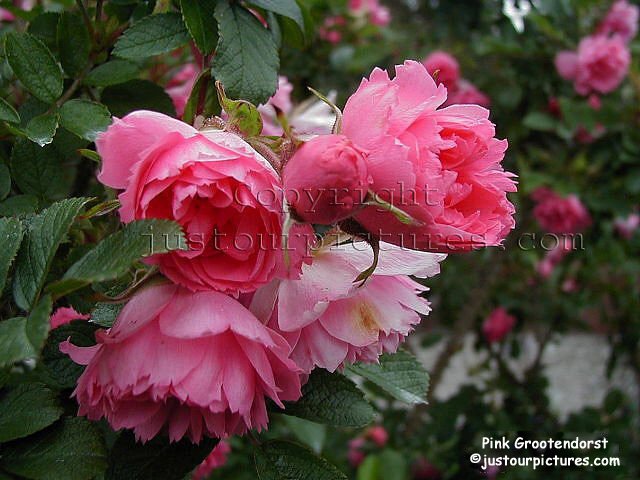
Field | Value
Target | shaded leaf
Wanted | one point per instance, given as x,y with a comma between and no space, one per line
74,43
112,73
279,460
199,18
152,35
85,118
11,237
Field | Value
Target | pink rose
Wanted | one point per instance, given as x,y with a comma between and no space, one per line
468,94
626,226
422,469
441,166
378,435
447,68
497,325
329,31
280,101
186,363
64,315
225,195
599,65
180,86
594,102
216,459
560,215
554,256
326,180
378,14
355,454
622,20
329,320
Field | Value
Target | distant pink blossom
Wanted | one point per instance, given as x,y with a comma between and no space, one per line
216,459
422,469
468,94
497,325
554,257
330,29
378,435
180,85
8,16
378,14
594,102
355,454
443,67
64,315
622,20
279,102
558,214
627,226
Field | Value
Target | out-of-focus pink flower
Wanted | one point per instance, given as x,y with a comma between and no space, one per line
280,101
626,226
560,215
441,166
180,85
492,472
189,364
216,459
330,29
64,315
223,193
553,106
7,16
355,454
328,320
599,65
378,435
497,325
594,102
468,94
622,20
585,137
326,180
422,469
570,285
377,14
447,68
553,257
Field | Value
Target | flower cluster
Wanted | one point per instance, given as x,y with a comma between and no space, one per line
257,301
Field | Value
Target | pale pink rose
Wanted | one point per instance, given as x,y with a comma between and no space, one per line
468,94
560,215
329,320
600,64
626,226
378,435
187,364
280,101
497,325
216,459
441,166
223,193
377,14
64,315
447,68
622,20
554,256
180,85
326,180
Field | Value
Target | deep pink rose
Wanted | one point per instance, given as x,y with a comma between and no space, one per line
497,325
447,68
326,180
441,166
599,65
180,85
216,459
189,364
64,315
622,20
468,94
355,454
560,215
378,435
224,194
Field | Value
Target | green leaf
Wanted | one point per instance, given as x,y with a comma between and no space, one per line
113,256
279,460
401,375
8,113
156,459
286,8
38,170
243,115
45,27
72,449
46,231
5,181
14,343
34,65
386,465
18,206
152,35
74,43
11,235
209,107
85,118
199,18
540,121
112,73
311,433
246,60
137,95
331,399
27,409
105,314
41,129
37,325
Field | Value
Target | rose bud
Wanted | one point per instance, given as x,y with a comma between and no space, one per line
326,180
497,325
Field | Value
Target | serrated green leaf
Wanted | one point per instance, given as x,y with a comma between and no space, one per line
34,65
5,181
199,18
331,399
310,433
18,206
38,170
286,8
246,60
74,43
280,460
27,409
8,113
137,95
243,115
37,325
14,344
400,374
156,459
85,118
112,73
72,449
45,233
152,35
105,314
41,129
11,237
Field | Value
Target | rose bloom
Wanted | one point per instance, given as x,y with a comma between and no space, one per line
626,226
599,65
622,20
554,257
468,94
378,14
64,315
180,85
225,195
560,215
447,68
216,459
329,320
497,325
440,166
189,364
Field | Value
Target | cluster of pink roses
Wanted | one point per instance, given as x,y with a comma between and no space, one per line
253,304
602,60
367,11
